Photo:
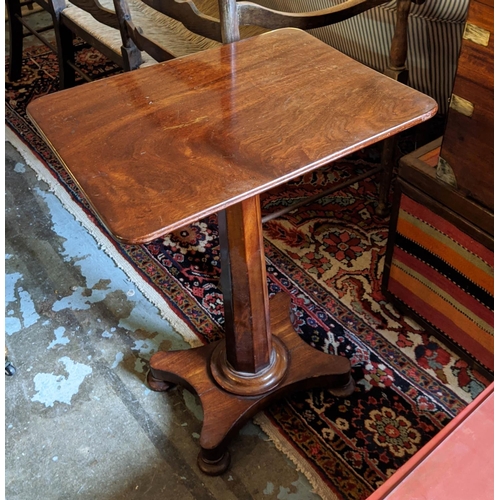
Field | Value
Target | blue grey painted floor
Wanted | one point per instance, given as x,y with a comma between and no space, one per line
80,421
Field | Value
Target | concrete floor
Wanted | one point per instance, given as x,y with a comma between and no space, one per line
80,421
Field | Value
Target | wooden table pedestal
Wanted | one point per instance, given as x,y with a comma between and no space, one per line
262,357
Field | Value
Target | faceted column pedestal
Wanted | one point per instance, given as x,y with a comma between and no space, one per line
261,358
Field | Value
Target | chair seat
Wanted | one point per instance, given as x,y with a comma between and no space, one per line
163,30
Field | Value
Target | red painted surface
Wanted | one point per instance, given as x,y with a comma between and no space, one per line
457,464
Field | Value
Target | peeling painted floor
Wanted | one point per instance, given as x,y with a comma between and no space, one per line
79,420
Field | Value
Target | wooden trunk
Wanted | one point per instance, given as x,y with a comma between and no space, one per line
439,263
467,152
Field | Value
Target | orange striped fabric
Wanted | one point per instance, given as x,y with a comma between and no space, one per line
447,249
445,276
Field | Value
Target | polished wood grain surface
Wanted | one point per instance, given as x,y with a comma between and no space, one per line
165,145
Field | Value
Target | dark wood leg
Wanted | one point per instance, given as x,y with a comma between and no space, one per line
398,71
15,39
388,161
66,54
262,357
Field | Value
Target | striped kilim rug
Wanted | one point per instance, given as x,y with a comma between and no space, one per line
328,256
446,276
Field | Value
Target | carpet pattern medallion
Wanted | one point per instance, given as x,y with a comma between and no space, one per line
328,256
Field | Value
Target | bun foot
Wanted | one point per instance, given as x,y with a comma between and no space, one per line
343,391
156,384
213,467
382,210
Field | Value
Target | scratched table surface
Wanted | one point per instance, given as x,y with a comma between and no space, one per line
160,147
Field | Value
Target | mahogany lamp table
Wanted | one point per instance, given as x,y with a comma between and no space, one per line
161,147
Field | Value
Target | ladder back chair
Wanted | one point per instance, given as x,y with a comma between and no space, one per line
20,26
97,24
227,21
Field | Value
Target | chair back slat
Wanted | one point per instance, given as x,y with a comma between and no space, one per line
99,12
250,13
187,12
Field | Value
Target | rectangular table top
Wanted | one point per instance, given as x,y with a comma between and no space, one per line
163,146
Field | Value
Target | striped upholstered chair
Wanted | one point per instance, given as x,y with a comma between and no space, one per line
435,31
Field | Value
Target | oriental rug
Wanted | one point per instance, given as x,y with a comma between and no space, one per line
328,256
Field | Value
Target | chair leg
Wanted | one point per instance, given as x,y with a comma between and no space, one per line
15,39
398,71
131,55
65,55
388,159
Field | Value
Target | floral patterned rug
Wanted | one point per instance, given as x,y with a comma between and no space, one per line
328,256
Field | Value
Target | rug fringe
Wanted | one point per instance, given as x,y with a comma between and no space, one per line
318,486
102,240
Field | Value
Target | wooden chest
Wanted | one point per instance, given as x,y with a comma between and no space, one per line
466,160
439,262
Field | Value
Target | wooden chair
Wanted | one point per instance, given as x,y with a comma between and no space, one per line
231,20
97,24
19,27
